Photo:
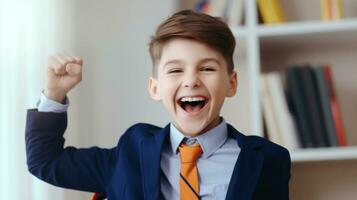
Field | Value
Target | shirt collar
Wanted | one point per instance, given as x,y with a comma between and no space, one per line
210,141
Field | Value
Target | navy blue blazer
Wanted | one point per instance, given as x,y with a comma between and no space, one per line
131,170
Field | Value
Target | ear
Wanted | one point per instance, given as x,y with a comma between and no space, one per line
153,90
233,84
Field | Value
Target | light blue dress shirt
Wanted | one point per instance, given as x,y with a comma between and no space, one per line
215,166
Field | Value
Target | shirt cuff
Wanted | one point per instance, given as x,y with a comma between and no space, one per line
48,105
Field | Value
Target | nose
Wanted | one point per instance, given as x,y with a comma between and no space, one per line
191,80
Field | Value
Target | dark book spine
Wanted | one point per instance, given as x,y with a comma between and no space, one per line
324,105
297,108
312,107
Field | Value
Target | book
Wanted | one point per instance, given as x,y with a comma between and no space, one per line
324,104
285,124
202,6
271,11
296,105
235,12
312,107
338,12
268,113
331,10
325,10
230,11
335,108
217,8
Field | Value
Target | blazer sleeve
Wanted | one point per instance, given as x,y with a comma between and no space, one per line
87,169
284,176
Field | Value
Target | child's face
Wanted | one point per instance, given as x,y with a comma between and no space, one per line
192,83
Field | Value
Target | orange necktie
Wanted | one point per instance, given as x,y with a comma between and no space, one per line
189,186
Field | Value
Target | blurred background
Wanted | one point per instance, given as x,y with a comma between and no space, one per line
112,38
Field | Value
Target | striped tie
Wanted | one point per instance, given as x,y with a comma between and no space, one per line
189,186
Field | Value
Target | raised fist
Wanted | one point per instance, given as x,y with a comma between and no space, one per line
62,74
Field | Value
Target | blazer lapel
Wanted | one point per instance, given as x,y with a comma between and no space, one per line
247,168
150,162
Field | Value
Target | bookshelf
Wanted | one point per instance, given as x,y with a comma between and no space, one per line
304,38
297,28
324,154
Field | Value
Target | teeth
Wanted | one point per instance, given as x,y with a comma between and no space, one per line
190,99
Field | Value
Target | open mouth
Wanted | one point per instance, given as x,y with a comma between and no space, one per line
192,104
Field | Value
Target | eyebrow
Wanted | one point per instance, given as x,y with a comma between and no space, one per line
178,61
175,61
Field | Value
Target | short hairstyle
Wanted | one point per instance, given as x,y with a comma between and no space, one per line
200,27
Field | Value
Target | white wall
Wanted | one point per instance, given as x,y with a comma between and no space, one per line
111,36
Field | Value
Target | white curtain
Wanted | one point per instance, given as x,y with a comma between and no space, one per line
27,36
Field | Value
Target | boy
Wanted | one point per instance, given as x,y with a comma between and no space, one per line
196,156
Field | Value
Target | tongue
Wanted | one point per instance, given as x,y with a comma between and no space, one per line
190,108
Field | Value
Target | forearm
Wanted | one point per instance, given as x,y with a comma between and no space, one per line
44,140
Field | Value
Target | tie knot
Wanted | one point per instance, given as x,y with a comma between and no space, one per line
189,153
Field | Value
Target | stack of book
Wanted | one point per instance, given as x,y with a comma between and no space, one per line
304,112
231,11
331,10
271,11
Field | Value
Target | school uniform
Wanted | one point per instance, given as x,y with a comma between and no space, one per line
145,165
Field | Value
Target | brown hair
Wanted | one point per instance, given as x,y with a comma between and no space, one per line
200,27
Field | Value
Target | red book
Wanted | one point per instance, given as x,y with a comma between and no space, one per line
335,108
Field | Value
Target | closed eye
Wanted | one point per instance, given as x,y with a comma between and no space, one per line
209,69
174,71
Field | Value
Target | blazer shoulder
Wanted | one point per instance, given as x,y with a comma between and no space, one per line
139,131
270,149
142,129
132,137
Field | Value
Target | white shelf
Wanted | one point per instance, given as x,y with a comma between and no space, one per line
309,34
324,154
295,28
